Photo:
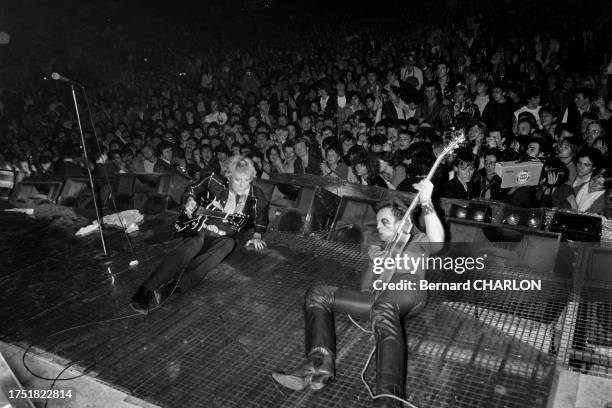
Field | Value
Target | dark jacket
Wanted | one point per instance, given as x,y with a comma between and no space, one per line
331,108
162,167
574,117
498,114
433,115
482,184
314,165
454,189
390,113
216,188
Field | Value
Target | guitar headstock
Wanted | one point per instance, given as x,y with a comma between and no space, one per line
458,139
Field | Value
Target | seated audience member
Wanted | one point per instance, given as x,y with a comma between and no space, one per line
333,166
593,131
145,162
548,119
118,165
289,164
164,162
588,161
68,167
555,191
461,185
603,145
308,161
590,197
353,153
538,148
366,168
496,139
222,152
567,149
273,163
486,182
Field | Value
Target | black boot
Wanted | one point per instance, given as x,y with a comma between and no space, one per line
166,290
385,402
390,354
140,300
316,372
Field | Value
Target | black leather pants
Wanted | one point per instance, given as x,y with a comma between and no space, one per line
196,255
386,314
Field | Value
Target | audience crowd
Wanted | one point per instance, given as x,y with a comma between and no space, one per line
373,106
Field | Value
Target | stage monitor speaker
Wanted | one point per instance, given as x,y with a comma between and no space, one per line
523,217
267,187
533,250
30,193
71,190
593,331
313,210
354,221
576,227
172,186
513,253
125,184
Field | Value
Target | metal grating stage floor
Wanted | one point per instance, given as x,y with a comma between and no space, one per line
217,345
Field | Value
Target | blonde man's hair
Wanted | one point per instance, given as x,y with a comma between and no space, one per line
237,164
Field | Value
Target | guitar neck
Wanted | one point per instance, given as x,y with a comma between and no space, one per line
415,200
211,213
407,219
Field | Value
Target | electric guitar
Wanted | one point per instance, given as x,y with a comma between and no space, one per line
198,221
402,236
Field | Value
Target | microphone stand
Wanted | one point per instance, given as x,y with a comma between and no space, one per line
91,183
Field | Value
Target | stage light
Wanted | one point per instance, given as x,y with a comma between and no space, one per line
512,219
458,211
478,212
533,222
524,217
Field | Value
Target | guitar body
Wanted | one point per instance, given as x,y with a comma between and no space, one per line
399,245
225,223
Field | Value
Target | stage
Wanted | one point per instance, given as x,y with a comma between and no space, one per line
217,345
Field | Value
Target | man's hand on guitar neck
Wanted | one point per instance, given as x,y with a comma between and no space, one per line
425,187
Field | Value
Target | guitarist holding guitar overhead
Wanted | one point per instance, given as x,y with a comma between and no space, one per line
215,209
385,308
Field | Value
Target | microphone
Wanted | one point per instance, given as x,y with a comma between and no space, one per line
58,77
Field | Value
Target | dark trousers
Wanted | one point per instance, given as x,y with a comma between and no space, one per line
196,255
386,313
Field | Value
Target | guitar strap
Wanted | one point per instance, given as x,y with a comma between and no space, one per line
241,203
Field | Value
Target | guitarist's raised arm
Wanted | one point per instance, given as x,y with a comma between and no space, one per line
433,226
